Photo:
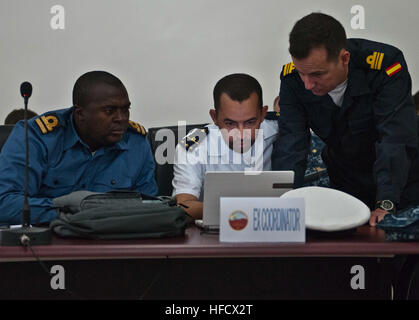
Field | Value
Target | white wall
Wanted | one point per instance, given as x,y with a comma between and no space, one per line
170,53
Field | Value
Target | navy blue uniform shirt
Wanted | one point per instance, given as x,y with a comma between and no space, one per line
371,140
60,163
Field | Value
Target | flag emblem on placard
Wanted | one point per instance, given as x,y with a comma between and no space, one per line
238,220
393,69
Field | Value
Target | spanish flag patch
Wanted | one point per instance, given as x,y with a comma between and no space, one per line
393,69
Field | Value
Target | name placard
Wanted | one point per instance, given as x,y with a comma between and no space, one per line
262,219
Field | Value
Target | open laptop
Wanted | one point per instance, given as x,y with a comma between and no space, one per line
239,184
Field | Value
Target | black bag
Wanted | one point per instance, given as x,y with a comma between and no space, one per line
121,215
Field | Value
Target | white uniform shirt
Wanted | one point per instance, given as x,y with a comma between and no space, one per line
211,153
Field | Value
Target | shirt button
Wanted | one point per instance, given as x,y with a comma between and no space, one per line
83,186
112,182
55,182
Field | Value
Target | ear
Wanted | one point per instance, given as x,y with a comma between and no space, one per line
264,111
345,57
276,104
213,114
78,113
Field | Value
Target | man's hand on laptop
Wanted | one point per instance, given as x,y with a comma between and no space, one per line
190,204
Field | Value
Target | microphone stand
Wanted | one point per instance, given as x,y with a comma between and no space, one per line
25,235
26,211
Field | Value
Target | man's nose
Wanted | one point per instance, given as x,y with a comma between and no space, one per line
120,115
242,132
308,82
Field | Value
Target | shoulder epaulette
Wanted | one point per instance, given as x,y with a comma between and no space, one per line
47,123
192,140
376,56
272,115
287,69
375,60
137,128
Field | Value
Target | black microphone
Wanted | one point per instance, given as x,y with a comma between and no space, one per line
26,92
26,235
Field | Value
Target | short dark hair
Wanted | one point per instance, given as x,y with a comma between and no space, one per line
18,114
314,31
238,87
84,84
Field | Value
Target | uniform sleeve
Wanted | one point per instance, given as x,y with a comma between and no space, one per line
188,174
292,147
12,178
395,119
146,182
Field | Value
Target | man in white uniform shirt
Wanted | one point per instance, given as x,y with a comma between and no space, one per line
239,140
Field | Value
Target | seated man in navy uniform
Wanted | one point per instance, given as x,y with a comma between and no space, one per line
92,146
356,96
240,139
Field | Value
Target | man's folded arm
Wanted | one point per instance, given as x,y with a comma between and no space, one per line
11,209
12,180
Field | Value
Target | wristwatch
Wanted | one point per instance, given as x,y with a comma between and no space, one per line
386,205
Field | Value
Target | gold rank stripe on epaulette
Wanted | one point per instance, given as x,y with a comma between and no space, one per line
192,140
375,60
288,68
47,123
138,127
394,69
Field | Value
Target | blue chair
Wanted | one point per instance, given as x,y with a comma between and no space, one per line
164,172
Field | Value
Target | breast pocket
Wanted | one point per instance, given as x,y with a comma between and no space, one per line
55,184
108,183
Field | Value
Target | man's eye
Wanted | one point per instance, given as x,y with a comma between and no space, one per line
112,110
